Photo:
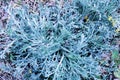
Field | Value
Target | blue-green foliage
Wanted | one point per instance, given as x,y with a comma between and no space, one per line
58,43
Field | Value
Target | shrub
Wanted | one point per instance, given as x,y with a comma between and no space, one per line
62,43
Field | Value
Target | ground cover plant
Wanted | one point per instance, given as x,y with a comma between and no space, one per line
60,40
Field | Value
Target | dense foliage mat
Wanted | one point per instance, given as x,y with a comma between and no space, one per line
70,41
